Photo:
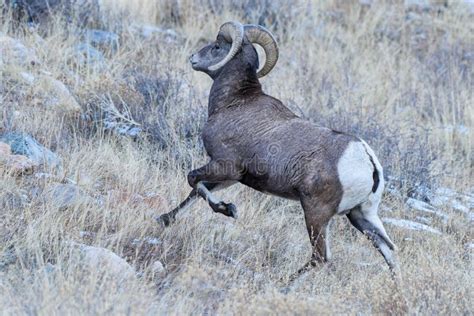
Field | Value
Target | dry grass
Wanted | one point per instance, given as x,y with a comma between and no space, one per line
402,80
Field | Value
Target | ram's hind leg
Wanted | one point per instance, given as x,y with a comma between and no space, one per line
364,217
317,216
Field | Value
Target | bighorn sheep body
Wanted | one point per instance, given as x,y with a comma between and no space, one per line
252,138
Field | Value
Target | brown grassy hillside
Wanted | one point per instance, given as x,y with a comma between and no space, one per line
121,113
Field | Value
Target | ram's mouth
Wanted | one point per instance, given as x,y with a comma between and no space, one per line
193,62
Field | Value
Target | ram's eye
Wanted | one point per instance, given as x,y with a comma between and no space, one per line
217,46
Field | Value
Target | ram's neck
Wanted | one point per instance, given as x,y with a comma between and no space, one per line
233,87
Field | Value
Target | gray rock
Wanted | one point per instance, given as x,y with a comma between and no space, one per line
460,202
7,258
365,2
410,225
426,208
22,144
417,4
151,32
459,129
157,268
27,77
39,11
86,55
12,201
64,196
50,268
469,5
111,124
14,52
104,261
102,39
55,95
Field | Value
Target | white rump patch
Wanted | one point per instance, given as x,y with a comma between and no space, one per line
355,174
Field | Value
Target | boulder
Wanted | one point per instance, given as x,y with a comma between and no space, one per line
20,165
81,12
14,52
103,261
48,92
65,196
22,144
57,95
15,164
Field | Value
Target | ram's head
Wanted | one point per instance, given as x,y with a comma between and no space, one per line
234,41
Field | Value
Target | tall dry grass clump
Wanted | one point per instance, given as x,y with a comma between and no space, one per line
398,74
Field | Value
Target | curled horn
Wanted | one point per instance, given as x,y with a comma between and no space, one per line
232,32
261,36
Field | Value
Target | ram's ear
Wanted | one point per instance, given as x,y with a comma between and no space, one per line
221,38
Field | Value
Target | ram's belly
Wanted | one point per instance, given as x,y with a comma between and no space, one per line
266,183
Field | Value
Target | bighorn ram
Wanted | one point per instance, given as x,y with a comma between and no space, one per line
252,138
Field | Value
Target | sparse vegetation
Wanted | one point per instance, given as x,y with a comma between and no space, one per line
399,74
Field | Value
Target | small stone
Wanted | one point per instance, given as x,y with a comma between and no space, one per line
27,77
157,267
49,268
8,257
156,202
5,151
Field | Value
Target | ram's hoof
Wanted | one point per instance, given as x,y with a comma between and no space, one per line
228,209
164,220
232,210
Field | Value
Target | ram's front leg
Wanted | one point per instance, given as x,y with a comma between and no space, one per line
215,172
